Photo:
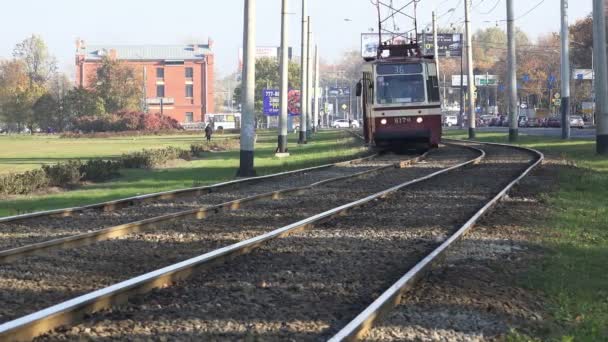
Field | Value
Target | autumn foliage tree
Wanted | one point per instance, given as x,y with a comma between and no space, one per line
118,85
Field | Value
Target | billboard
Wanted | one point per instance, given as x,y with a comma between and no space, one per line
450,44
271,102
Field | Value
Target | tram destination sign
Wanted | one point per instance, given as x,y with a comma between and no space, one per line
450,44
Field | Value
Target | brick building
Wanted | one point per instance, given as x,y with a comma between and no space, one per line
178,79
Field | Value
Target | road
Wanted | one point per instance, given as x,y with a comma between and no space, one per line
587,133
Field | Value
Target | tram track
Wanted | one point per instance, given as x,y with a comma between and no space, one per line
29,235
218,231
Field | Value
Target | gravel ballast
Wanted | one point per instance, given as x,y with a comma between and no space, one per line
41,281
310,284
34,230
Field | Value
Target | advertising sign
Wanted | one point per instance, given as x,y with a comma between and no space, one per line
271,102
480,80
450,44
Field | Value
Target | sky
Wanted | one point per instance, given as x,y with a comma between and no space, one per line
61,22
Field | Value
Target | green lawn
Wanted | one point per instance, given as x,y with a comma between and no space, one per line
326,146
574,274
24,152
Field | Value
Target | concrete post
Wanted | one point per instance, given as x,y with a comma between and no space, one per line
471,77
248,94
284,100
303,74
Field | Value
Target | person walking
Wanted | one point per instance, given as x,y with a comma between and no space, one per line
208,132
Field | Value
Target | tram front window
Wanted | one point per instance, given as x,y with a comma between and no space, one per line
400,89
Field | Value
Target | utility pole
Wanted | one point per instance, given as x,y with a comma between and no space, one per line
315,109
601,83
309,80
436,43
248,94
512,73
282,144
565,72
304,75
470,76
462,100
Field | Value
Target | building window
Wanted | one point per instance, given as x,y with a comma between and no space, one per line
189,117
160,73
160,90
189,72
189,90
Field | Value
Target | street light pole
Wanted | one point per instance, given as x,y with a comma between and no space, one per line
303,75
565,71
309,79
601,83
471,77
282,143
315,109
248,94
512,73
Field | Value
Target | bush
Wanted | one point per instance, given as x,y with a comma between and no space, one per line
63,173
125,121
148,159
97,170
23,183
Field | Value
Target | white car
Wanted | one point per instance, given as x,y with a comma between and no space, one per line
450,120
342,123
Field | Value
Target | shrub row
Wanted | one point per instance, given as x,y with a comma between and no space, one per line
97,170
125,121
60,175
148,159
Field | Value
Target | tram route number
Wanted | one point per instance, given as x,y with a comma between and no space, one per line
404,120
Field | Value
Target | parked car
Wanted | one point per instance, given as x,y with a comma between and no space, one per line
577,121
343,123
554,122
450,120
534,122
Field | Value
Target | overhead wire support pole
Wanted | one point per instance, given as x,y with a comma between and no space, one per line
600,63
248,94
284,100
315,109
470,76
512,72
435,43
303,75
309,80
565,71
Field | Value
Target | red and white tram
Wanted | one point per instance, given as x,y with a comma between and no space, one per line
401,99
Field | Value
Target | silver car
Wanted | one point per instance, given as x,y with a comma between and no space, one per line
577,121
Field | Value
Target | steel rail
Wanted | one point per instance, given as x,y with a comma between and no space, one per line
360,325
73,310
10,255
195,191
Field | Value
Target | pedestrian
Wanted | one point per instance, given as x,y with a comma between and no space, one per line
208,132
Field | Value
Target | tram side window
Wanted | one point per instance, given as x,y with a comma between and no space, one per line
400,89
432,85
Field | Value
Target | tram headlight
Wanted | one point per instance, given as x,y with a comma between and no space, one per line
419,120
383,121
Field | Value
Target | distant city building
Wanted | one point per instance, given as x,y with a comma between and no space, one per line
178,79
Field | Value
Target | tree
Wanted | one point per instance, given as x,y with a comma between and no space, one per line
46,113
581,37
40,65
13,81
119,85
80,102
